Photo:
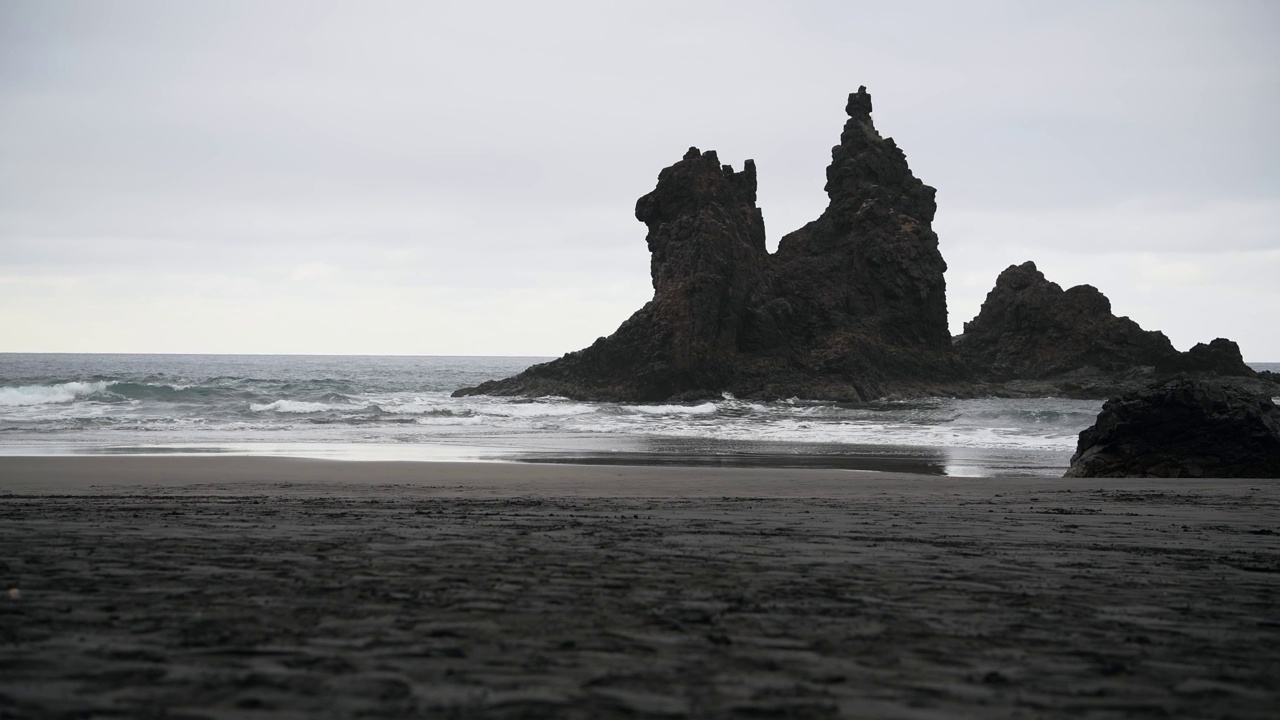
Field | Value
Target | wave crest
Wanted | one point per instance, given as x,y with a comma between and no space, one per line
706,408
26,395
301,406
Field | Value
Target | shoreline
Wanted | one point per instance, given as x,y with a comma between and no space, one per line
640,451
242,475
182,475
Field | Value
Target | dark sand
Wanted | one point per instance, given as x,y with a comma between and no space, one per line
251,587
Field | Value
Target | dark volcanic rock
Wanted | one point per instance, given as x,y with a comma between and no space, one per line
865,281
1182,427
852,306
706,237
1220,357
1031,329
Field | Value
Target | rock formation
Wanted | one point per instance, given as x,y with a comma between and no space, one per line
1031,329
1182,427
852,306
1220,357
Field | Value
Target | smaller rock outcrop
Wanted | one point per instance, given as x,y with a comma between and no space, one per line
1033,335
1182,427
1030,329
1220,357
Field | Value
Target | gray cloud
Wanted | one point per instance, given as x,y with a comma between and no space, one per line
467,150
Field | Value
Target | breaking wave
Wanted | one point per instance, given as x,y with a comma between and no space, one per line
29,395
392,400
703,409
302,407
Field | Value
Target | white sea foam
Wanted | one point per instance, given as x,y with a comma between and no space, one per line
49,394
449,420
419,406
860,432
300,406
493,408
703,409
531,410
414,409
388,400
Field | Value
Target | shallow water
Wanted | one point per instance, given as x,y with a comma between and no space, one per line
380,407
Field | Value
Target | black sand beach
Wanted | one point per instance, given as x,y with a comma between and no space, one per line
257,587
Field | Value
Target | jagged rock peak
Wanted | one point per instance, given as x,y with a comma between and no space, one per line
869,173
1018,277
852,306
859,102
1030,328
1220,357
696,180
696,190
1018,285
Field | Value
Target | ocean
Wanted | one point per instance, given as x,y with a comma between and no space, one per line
399,408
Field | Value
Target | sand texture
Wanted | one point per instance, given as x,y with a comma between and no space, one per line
445,595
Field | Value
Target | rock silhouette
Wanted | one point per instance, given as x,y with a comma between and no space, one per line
1182,427
1031,329
851,307
1219,357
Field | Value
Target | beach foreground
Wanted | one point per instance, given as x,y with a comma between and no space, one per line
259,587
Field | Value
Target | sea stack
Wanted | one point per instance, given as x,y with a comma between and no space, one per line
851,307
1030,329
1032,333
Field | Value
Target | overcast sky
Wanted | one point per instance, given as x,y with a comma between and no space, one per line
460,178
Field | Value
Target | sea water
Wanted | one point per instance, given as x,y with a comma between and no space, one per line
385,407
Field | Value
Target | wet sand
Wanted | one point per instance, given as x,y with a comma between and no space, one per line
252,587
